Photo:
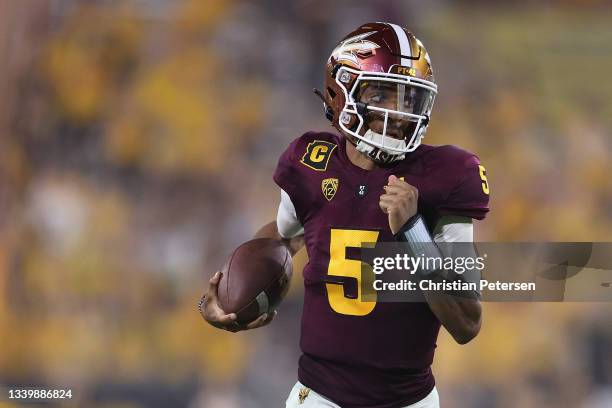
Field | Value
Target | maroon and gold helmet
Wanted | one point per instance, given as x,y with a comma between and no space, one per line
379,90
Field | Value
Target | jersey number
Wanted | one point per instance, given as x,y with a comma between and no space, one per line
483,177
340,267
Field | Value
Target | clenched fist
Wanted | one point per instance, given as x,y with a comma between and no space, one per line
399,201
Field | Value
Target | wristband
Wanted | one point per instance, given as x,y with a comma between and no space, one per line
419,242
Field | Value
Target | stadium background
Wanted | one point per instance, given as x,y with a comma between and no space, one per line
137,144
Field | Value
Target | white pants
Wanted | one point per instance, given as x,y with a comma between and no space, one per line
303,397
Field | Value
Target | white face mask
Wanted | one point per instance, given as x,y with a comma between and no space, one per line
412,102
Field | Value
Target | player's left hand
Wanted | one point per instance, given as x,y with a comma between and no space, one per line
399,201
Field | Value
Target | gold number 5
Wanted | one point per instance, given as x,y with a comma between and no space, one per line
339,266
483,177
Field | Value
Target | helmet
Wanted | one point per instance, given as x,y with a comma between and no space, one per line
379,90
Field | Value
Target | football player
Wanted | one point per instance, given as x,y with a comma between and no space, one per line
372,181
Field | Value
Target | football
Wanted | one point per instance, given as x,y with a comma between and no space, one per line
255,279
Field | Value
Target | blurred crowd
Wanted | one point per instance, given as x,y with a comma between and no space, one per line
137,144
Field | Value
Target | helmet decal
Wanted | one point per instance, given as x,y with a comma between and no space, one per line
354,48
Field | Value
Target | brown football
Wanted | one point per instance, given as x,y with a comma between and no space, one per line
255,278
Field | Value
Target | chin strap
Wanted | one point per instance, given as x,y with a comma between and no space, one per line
329,113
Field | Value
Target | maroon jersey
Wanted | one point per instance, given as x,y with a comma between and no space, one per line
367,354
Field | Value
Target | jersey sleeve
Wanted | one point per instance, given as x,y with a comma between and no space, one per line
469,196
287,176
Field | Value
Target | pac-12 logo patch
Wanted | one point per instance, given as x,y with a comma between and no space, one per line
317,154
329,186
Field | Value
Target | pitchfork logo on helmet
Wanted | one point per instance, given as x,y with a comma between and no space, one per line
354,48
379,90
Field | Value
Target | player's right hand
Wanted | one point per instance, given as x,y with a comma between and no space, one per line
211,311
